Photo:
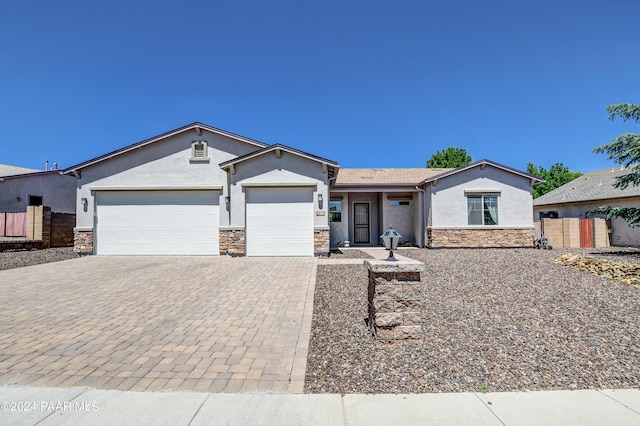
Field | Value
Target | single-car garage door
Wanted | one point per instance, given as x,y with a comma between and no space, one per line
157,222
279,222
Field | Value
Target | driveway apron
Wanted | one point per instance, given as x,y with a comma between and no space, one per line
214,324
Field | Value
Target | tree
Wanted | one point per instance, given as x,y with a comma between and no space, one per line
557,175
449,158
625,150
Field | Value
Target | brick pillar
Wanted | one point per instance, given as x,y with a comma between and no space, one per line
395,299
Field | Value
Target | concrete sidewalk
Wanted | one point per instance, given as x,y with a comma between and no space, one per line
55,406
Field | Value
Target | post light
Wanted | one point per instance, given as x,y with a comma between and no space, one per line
391,238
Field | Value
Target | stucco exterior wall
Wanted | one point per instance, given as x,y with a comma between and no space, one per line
165,163
623,235
400,217
339,231
286,170
57,191
449,201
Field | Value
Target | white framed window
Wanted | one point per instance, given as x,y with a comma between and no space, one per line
199,151
482,209
335,211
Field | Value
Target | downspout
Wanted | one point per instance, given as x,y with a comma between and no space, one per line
423,243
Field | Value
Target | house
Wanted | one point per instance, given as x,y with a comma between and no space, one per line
202,190
483,204
588,192
21,187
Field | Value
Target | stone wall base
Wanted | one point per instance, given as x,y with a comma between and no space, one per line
232,242
321,242
479,238
83,242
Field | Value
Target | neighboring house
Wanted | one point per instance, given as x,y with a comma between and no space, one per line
202,190
484,204
588,192
21,187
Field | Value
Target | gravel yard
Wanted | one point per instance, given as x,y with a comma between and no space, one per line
495,319
19,259
348,254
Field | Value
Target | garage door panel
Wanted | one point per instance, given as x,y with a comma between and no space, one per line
279,222
158,223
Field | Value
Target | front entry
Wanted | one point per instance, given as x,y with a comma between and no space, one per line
361,223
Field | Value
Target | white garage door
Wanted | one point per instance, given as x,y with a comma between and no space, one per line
279,222
157,223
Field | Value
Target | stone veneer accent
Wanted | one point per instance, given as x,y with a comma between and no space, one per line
83,242
395,299
321,242
232,242
475,238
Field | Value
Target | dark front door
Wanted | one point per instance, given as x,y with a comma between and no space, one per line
361,223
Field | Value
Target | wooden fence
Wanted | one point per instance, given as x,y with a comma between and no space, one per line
13,224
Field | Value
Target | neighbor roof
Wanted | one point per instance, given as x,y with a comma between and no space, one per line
382,176
193,126
7,170
593,186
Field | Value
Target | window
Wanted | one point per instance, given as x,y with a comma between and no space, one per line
482,209
335,211
399,203
199,151
35,200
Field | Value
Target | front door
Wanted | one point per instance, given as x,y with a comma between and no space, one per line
361,223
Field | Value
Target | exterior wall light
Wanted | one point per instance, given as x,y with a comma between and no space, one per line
320,201
84,203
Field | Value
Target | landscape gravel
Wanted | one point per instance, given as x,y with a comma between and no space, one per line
494,320
348,254
22,258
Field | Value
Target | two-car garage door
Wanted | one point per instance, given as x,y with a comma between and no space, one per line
157,222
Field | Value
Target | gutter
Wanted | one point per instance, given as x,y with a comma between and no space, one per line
423,229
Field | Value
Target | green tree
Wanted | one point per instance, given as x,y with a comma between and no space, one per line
449,158
625,150
557,175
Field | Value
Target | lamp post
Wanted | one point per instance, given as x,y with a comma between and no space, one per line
391,238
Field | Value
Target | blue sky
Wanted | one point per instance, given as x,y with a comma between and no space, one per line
365,83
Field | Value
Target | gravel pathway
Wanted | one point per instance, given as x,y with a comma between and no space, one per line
348,254
495,319
19,259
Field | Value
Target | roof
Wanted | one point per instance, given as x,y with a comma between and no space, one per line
8,170
193,126
276,147
593,186
482,163
368,177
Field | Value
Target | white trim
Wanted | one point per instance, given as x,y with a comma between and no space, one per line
157,188
278,184
82,228
483,191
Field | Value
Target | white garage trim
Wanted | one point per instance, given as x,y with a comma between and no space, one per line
279,185
156,188
279,222
157,222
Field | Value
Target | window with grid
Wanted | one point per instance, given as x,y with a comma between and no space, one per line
199,151
482,209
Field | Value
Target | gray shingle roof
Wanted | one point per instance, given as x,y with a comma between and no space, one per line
7,170
593,186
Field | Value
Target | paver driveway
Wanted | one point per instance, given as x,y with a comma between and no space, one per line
214,324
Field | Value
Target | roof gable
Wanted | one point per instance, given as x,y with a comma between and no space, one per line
198,127
277,148
592,186
482,164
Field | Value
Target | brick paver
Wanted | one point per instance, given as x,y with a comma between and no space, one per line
214,324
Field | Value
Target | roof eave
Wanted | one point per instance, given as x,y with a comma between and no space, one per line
193,126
